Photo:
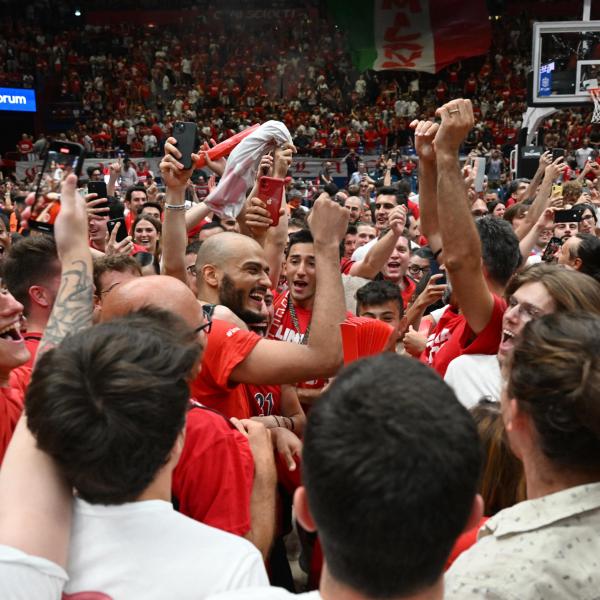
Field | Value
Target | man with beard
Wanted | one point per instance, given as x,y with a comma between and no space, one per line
232,271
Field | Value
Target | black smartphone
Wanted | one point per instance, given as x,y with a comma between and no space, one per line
62,159
571,215
185,133
117,215
556,152
551,249
98,188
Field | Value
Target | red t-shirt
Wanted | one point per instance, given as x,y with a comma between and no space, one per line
32,342
409,290
214,476
226,348
346,265
11,406
441,334
462,339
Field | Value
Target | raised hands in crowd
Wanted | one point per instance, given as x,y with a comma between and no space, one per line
213,382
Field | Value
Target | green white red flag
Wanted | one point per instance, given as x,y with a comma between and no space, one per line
418,35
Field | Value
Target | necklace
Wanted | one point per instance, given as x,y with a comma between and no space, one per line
297,324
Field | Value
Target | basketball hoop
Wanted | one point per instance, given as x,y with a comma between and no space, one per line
595,94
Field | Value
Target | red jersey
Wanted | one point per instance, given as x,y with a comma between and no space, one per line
463,340
32,342
441,334
226,348
264,400
11,406
409,290
213,480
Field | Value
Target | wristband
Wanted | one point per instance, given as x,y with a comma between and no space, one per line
175,206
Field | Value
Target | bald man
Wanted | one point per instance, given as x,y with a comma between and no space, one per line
224,478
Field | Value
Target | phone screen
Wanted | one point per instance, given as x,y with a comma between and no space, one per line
61,160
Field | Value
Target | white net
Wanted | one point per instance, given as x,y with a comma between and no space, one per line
595,94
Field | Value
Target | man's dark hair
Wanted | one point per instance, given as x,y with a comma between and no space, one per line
303,236
31,261
114,262
589,253
419,453
108,403
389,191
212,225
153,205
499,248
376,293
193,247
423,252
134,188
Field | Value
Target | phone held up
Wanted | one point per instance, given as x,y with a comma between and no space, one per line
270,191
186,134
572,215
551,249
62,159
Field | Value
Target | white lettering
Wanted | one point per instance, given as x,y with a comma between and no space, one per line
12,99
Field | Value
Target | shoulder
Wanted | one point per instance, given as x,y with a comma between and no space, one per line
264,593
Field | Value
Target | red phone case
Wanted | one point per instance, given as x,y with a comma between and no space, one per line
270,192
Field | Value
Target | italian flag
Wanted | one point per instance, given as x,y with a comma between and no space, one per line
417,35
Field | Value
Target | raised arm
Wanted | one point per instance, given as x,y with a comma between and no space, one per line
378,254
274,361
552,171
74,305
460,239
174,224
425,132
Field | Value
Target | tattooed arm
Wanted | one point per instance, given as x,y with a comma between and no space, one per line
73,306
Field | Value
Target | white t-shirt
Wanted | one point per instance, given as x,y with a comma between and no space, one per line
360,253
148,551
264,594
24,577
473,376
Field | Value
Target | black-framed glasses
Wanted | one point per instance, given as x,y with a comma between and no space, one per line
191,269
206,326
414,269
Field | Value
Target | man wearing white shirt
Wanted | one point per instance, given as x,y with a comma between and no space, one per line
109,406
376,503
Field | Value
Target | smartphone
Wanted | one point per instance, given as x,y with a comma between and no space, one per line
98,188
571,215
185,133
117,215
556,152
557,189
551,249
270,191
62,159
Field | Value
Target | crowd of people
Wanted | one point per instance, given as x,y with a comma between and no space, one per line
168,395
390,378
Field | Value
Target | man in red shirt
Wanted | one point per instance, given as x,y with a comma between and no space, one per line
479,257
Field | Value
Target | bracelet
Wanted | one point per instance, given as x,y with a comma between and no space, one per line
175,206
291,423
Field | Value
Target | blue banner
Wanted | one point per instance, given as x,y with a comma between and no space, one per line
546,79
17,99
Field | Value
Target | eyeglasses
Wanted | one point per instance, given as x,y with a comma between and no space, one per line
416,270
526,311
191,269
206,327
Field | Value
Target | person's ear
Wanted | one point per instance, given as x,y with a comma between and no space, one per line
40,296
302,509
210,275
476,513
577,264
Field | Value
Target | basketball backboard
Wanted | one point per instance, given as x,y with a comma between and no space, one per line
565,62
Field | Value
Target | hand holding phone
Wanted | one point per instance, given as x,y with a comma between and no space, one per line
62,160
185,133
552,248
270,191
